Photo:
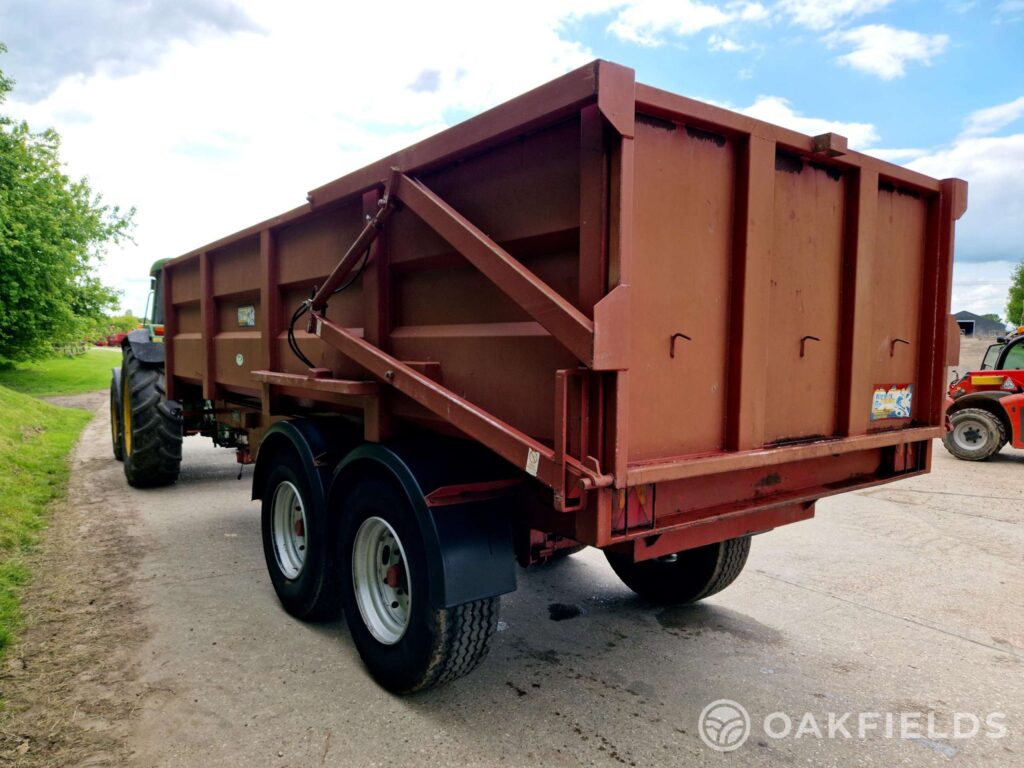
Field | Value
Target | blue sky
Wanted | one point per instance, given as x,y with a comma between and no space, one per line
981,64
209,115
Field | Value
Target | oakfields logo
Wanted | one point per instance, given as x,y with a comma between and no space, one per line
725,725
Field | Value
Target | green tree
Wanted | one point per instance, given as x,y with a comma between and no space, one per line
993,317
1015,299
52,234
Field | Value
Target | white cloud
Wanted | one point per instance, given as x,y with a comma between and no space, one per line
720,43
824,14
885,51
981,287
988,121
223,132
645,21
904,155
648,22
774,109
751,11
993,227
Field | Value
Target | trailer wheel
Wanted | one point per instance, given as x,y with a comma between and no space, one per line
974,435
116,436
405,642
151,425
298,544
686,576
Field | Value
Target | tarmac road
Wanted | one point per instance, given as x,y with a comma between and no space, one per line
903,599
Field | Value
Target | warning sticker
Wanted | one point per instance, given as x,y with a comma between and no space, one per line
532,461
891,401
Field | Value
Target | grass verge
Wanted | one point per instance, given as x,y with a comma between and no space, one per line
35,440
63,375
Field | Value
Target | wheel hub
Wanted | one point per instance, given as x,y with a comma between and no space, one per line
381,581
970,435
288,525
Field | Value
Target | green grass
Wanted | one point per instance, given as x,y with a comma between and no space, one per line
35,440
63,375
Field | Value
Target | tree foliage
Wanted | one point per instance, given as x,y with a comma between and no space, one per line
993,317
52,233
1015,299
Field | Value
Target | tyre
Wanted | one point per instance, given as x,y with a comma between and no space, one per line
974,435
299,544
116,438
686,576
151,426
406,643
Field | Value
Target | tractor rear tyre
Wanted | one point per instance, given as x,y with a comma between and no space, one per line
686,576
406,643
116,436
151,425
974,435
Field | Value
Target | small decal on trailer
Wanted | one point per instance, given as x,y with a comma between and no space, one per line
532,461
892,401
247,316
239,360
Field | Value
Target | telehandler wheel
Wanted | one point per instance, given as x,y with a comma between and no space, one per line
299,541
406,643
974,435
686,576
116,436
151,426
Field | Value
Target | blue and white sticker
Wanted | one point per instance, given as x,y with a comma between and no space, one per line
892,401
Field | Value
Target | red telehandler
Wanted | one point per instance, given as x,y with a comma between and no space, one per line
985,408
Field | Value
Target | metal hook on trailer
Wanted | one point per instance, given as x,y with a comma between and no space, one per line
672,343
803,343
893,343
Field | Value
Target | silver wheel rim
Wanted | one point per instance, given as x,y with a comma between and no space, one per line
380,579
970,435
289,528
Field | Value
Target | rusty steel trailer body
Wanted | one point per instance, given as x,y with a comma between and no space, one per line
676,325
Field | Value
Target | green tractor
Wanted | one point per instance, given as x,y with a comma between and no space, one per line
145,427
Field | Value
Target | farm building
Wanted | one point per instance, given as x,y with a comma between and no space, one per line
977,326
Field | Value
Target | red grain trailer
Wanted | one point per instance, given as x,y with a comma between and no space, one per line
598,314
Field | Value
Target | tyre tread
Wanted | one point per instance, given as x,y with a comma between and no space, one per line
465,639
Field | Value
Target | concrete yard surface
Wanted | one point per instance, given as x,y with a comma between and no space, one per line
901,599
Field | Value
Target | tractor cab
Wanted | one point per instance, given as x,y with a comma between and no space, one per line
153,317
985,407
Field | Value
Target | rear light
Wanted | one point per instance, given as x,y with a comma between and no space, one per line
158,330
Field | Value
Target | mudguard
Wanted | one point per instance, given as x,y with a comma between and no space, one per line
146,351
994,402
319,443
469,545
